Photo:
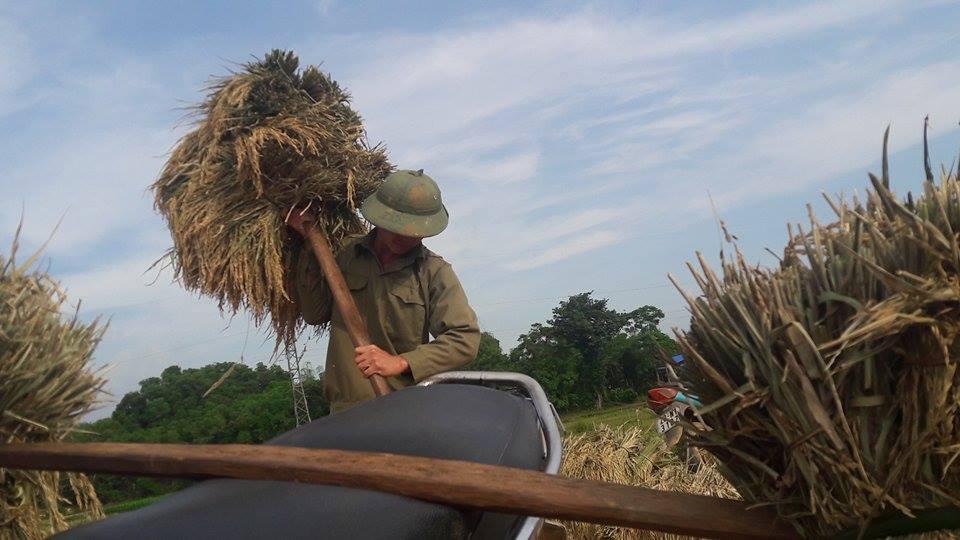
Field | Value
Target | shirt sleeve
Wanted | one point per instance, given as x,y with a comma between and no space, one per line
453,324
313,294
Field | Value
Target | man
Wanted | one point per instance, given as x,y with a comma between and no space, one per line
405,293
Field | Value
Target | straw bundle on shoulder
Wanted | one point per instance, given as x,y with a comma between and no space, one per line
46,386
268,138
831,383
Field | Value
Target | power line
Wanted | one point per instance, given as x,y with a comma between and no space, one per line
544,298
525,251
674,312
116,307
179,347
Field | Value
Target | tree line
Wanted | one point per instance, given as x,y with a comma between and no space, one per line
586,355
252,405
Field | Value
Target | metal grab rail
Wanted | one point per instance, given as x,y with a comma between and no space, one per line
550,422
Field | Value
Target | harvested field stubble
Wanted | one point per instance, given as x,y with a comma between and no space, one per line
634,456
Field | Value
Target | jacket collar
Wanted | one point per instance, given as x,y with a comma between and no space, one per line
366,243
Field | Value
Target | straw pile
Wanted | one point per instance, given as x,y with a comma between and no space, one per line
267,138
831,383
46,386
636,457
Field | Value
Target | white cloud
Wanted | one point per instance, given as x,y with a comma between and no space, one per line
15,63
97,143
325,6
445,81
96,184
629,95
121,285
770,25
844,132
570,247
499,171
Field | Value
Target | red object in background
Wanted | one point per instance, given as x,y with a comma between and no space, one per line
660,398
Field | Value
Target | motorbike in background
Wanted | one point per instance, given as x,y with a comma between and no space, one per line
671,403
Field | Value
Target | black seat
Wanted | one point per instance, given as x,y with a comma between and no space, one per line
449,421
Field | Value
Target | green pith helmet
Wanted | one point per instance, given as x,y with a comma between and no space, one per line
407,203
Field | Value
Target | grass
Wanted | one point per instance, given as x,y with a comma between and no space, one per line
633,414
129,506
114,508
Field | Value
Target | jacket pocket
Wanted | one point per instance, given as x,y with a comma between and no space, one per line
407,326
407,295
355,282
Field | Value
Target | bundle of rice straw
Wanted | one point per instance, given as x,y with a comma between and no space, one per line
831,383
268,138
636,457
46,386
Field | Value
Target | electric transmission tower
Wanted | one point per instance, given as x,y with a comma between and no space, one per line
301,411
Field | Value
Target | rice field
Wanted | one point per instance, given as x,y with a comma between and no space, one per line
634,414
115,508
634,454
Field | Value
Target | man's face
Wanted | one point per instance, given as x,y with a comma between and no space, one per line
397,243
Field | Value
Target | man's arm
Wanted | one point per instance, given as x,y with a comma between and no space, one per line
313,295
453,323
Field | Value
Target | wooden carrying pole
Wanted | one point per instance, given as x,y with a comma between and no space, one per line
460,484
343,299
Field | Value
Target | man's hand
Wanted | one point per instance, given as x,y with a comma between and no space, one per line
374,360
299,220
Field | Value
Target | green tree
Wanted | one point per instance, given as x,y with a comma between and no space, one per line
587,353
555,364
252,405
588,325
490,356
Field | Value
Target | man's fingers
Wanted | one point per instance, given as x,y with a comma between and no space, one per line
364,362
299,220
371,359
363,357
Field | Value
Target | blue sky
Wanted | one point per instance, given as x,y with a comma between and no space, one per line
577,144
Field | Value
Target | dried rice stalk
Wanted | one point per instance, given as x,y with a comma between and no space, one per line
831,383
268,138
46,386
636,457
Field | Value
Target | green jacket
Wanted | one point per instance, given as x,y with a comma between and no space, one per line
414,298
